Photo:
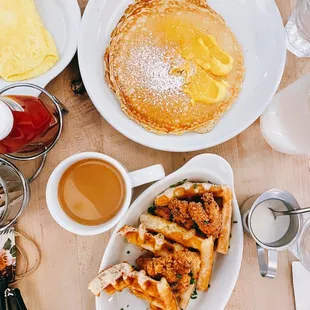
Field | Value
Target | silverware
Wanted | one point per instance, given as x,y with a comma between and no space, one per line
288,212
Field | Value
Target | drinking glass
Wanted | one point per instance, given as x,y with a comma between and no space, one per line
285,124
298,29
303,247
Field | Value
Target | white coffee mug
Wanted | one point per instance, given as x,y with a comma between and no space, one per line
131,180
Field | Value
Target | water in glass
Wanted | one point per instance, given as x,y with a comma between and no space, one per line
285,124
298,29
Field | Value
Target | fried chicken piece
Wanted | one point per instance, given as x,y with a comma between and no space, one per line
163,212
179,287
207,216
209,201
176,268
214,214
200,217
168,267
179,210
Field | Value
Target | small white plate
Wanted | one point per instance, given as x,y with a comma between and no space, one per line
62,19
258,27
226,267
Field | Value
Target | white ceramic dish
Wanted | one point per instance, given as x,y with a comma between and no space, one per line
62,19
258,27
226,268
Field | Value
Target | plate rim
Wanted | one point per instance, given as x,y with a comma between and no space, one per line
42,80
91,7
191,165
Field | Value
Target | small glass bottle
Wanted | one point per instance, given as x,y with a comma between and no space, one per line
26,124
298,29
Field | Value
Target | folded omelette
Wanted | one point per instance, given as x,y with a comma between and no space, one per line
27,49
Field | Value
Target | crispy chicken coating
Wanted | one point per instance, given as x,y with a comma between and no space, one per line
176,268
214,214
163,212
200,217
209,201
206,215
179,287
179,210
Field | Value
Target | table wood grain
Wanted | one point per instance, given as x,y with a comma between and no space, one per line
69,262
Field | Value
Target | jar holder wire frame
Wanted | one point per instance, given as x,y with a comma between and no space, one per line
61,111
25,197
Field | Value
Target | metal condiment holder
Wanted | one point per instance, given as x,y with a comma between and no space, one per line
14,186
60,108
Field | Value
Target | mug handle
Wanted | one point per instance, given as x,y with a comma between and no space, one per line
146,175
267,269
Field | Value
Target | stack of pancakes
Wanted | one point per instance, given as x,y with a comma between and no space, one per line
174,65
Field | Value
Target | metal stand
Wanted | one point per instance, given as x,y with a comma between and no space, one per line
61,109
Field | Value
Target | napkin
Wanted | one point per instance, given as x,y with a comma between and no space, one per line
301,282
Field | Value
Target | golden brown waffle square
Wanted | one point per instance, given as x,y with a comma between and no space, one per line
158,245
154,302
187,238
225,196
186,297
121,276
154,307
172,231
110,279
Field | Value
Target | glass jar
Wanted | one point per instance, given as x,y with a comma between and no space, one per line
303,246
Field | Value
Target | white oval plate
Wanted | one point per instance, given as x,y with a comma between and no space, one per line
259,29
226,267
62,19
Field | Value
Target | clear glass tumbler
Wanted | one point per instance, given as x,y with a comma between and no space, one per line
303,246
298,29
285,124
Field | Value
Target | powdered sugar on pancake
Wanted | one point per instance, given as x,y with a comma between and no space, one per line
149,62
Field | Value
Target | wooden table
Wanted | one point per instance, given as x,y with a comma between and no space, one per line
69,262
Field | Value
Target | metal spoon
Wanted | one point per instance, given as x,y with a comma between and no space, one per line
288,212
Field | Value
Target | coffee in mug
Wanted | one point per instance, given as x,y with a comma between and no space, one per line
91,191
88,193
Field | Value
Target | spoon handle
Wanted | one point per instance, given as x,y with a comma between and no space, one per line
292,212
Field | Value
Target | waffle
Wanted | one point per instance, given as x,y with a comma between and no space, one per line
186,297
158,245
221,193
172,231
171,245
140,67
121,276
187,238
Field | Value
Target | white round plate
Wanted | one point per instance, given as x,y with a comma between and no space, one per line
226,267
62,19
259,29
